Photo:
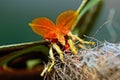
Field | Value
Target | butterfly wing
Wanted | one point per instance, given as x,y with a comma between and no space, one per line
66,20
42,26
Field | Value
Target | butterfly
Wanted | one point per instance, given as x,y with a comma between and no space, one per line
57,32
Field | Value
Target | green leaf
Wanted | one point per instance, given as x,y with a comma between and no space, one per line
91,4
17,50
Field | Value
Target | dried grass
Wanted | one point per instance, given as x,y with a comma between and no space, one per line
99,63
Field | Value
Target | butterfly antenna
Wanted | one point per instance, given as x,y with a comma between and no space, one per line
106,22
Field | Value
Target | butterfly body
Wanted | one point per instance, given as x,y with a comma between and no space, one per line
56,35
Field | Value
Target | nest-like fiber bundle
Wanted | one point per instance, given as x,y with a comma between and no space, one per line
99,63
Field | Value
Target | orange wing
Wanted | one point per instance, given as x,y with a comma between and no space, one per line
66,20
42,26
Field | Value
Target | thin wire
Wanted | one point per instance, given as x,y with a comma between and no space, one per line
106,22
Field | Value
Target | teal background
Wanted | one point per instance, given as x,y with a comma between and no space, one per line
16,14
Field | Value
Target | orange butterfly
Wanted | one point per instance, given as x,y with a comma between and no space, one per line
50,31
56,32
65,22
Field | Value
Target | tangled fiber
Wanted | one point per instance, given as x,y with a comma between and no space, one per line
99,63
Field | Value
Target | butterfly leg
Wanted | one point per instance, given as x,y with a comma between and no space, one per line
72,47
81,40
50,65
52,59
45,69
59,51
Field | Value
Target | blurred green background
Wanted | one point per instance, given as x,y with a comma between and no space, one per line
16,14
